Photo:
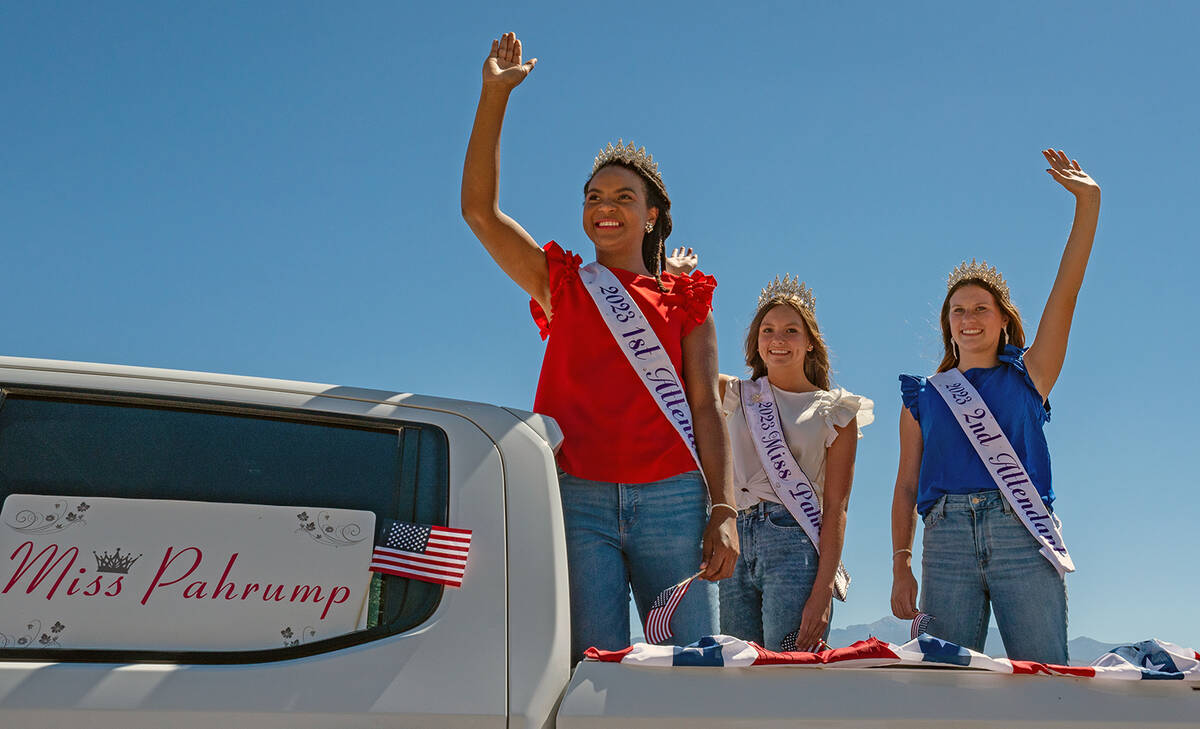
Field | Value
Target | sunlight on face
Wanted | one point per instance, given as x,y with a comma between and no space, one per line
976,320
782,338
615,212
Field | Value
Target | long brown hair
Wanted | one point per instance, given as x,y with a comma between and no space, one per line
816,362
1014,332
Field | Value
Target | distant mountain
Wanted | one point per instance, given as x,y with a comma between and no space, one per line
1083,650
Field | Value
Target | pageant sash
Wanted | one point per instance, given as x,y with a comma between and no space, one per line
791,486
1001,461
636,338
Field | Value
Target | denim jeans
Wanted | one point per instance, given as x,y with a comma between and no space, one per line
645,536
764,599
976,551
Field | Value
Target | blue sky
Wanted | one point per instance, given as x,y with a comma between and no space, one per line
272,189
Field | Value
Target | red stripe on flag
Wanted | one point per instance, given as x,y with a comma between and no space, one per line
452,581
450,538
386,553
424,566
872,651
1049,669
450,551
608,656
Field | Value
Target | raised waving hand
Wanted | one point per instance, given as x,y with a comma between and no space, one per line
1069,174
513,249
503,65
1046,354
682,261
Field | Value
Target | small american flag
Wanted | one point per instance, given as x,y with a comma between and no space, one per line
658,620
920,624
788,644
422,552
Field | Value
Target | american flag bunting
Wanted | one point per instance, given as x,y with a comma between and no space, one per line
1153,660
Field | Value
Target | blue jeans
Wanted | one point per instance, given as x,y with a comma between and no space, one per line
976,551
764,599
645,536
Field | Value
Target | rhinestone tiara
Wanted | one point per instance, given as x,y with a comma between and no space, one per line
978,271
629,156
789,288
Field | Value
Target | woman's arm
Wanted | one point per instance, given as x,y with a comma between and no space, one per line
839,475
514,249
1044,360
720,547
904,518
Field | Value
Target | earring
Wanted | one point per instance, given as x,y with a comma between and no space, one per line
810,347
649,226
954,345
1003,339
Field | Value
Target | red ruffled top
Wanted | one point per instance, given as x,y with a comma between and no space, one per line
613,429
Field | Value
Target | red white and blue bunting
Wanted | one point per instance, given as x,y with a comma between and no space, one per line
1147,660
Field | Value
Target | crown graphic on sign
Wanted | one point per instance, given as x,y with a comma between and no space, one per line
117,563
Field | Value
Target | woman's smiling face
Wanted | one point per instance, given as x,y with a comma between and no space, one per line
615,210
783,338
975,319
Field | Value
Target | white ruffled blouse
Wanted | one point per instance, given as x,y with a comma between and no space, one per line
809,421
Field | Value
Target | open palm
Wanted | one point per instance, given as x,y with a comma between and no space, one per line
503,66
682,261
1069,174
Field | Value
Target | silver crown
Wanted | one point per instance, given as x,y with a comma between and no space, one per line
979,272
627,154
789,288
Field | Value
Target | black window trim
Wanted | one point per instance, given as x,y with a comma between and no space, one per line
234,657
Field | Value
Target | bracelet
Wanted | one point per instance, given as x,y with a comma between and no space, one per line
901,551
727,506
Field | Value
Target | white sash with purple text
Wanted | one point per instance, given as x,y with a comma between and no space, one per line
636,338
788,481
1001,461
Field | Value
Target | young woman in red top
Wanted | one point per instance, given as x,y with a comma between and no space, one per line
634,505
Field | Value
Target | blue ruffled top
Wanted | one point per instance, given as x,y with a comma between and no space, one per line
949,464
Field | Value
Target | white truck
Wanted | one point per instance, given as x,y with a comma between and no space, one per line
491,654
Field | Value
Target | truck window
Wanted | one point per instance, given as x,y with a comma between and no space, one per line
94,446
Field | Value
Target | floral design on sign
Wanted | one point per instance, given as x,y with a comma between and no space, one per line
323,529
33,637
28,521
290,639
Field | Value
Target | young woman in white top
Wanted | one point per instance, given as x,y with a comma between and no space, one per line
784,583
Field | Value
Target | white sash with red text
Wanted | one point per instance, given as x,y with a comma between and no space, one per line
1001,461
636,338
791,486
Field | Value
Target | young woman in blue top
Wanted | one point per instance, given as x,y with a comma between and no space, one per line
977,554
